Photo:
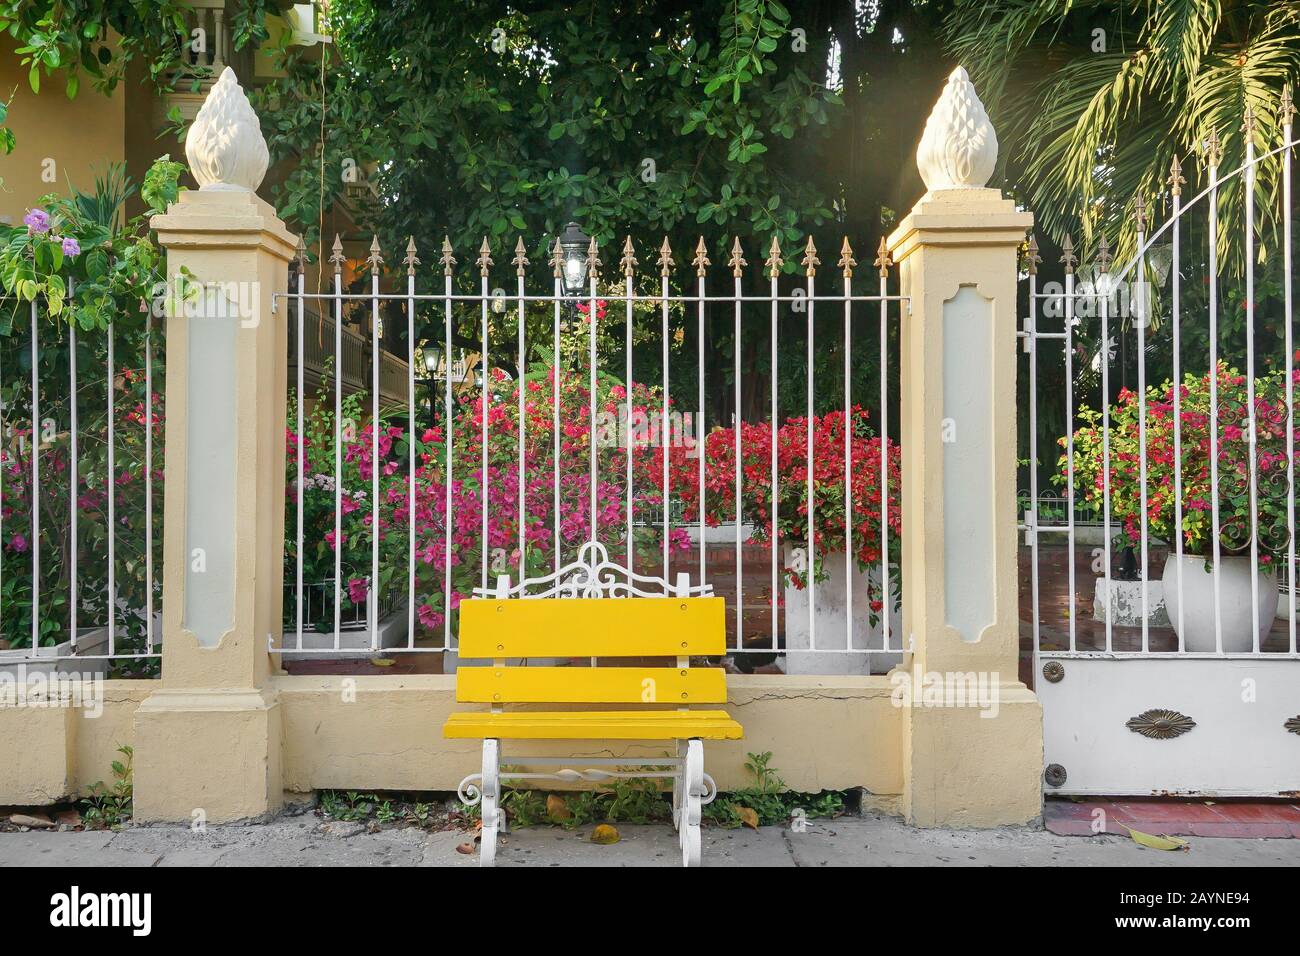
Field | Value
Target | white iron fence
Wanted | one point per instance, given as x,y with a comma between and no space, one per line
1161,478
80,474
511,467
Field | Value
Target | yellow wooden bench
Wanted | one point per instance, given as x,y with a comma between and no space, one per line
655,702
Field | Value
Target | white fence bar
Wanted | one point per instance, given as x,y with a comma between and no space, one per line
337,259
36,487
774,265
1253,435
301,448
53,547
73,505
112,494
737,263
1140,324
1175,304
1212,151
411,261
846,264
810,263
1288,112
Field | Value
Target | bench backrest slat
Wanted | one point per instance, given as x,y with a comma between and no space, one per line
591,685
592,627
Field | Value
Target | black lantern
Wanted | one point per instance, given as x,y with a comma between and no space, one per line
574,244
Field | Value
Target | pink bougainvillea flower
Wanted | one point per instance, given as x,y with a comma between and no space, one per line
357,590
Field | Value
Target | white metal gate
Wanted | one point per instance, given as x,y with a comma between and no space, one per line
1182,676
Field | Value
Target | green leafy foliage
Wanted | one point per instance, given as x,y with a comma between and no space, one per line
768,799
109,806
641,800
1100,97
100,38
516,119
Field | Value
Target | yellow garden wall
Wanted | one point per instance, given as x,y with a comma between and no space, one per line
385,733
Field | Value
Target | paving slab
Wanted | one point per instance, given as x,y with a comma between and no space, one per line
869,840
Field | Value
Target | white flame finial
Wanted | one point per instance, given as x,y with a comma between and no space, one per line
224,145
958,148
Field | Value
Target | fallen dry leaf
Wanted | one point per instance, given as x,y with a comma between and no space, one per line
557,809
604,834
749,817
1156,842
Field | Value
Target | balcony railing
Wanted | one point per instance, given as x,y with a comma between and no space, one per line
318,347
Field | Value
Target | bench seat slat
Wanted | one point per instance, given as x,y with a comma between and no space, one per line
592,627
591,685
595,725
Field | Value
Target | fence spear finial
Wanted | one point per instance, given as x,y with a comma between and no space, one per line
1032,258
1067,254
520,261
884,261
300,254
1176,179
847,262
774,259
484,260
376,258
557,259
665,258
737,260
593,260
336,254
1213,149
1285,108
701,260
447,260
810,261
411,260
1140,214
1104,257
1248,121
629,261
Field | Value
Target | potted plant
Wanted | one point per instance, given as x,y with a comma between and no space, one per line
1189,585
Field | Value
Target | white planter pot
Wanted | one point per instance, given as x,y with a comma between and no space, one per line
830,620
352,642
1235,595
1126,597
59,659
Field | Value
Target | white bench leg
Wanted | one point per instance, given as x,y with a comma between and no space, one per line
491,812
692,786
678,789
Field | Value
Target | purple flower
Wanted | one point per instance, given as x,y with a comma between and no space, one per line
37,220
18,543
71,247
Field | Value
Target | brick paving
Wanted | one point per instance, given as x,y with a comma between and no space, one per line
1240,819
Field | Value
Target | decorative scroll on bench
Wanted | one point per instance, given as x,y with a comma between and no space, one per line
596,609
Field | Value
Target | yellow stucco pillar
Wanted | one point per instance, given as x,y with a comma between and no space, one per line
972,733
208,741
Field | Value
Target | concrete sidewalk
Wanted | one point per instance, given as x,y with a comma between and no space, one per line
849,841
